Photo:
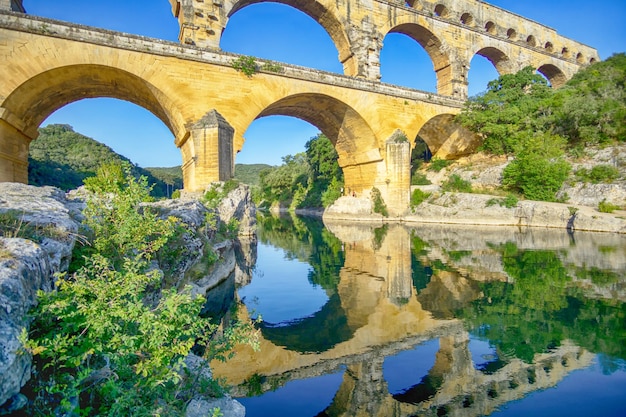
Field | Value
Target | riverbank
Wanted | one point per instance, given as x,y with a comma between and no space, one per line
481,209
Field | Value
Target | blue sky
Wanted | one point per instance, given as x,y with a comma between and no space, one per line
281,33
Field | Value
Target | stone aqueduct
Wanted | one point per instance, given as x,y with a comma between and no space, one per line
193,88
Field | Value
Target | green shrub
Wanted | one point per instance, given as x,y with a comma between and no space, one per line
456,183
332,193
438,164
246,64
598,174
379,204
419,179
536,177
509,201
418,197
111,340
606,207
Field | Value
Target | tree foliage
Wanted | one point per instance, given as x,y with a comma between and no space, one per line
111,340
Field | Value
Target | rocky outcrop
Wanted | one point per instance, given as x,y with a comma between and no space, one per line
49,223
39,238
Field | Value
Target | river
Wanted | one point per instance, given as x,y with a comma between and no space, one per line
432,321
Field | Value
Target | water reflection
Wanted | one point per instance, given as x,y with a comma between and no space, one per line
435,320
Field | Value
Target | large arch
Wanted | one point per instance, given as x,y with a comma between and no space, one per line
554,74
447,139
320,13
353,138
34,100
435,50
498,58
28,105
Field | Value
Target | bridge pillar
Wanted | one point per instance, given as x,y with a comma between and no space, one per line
365,45
207,152
13,5
14,144
452,80
201,23
398,181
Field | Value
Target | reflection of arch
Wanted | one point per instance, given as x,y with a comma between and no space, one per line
315,334
497,58
556,77
47,92
433,47
318,12
351,135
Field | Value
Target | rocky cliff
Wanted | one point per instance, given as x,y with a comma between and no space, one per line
39,227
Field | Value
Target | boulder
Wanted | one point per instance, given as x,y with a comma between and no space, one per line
202,407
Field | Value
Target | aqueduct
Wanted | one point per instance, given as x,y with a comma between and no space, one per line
208,105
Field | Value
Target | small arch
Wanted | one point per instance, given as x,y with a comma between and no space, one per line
531,41
549,47
467,19
511,34
414,4
490,28
580,58
592,61
565,52
441,11
555,76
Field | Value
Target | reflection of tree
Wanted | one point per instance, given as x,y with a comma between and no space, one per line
306,239
540,308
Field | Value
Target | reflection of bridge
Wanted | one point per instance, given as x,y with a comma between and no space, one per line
208,105
386,317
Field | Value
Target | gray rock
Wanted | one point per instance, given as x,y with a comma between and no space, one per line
24,269
238,204
201,407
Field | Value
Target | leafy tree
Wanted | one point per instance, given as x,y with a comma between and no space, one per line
591,107
513,105
326,179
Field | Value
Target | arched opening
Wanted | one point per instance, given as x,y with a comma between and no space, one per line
300,33
446,139
106,15
420,154
350,134
129,130
406,63
531,41
433,47
491,28
467,19
549,47
36,99
511,34
441,11
592,61
487,65
580,58
555,76
565,52
414,4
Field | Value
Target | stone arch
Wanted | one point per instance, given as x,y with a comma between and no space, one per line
531,40
325,17
28,105
498,58
47,92
467,19
556,77
511,34
491,28
580,58
442,11
549,47
446,139
435,50
565,52
353,138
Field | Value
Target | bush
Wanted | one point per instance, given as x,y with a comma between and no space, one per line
418,197
332,193
536,177
606,207
246,64
598,174
456,183
419,179
438,164
379,204
111,340
509,201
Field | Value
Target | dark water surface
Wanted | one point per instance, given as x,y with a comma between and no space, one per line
433,321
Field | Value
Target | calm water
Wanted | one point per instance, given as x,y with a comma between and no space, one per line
433,321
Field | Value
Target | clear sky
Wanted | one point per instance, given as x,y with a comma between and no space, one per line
281,33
